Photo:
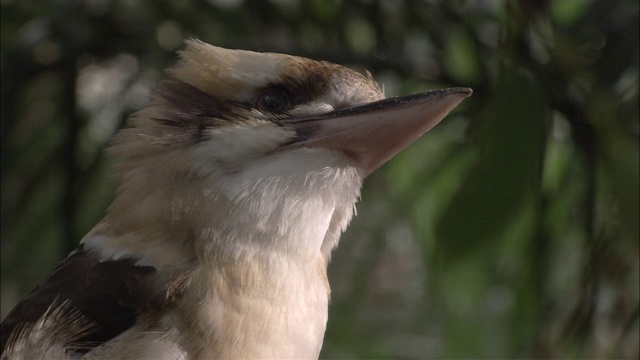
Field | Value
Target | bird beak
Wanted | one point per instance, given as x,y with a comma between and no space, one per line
372,134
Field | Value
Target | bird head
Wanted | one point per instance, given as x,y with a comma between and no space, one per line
265,137
241,107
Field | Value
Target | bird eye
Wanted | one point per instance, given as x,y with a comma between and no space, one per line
273,100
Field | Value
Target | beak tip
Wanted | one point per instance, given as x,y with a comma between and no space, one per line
464,91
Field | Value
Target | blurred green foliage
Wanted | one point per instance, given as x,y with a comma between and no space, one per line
510,230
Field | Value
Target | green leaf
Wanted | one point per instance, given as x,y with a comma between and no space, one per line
511,140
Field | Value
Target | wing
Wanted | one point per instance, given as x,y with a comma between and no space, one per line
53,336
108,294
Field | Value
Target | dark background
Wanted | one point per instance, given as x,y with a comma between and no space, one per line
510,230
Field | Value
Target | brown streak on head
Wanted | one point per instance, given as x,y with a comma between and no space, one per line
185,105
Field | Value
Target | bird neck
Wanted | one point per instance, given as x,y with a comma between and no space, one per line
270,307
258,242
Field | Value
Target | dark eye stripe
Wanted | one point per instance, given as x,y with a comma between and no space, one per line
297,90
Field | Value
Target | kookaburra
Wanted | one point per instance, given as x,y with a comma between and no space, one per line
236,183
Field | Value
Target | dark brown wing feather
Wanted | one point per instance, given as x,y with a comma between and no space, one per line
109,294
54,336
